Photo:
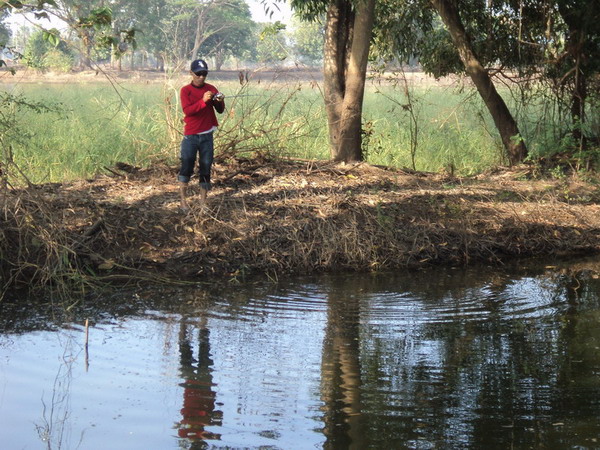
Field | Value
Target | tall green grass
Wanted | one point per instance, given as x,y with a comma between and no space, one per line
93,126
98,125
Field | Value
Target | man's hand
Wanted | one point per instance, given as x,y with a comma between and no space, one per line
207,96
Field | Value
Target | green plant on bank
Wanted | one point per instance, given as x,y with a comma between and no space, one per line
141,124
34,249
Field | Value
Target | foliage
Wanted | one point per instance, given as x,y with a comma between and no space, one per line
554,43
4,30
98,130
272,47
307,39
58,61
36,48
41,53
231,33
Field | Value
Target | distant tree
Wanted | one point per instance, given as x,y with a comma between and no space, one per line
90,21
79,15
41,54
35,50
152,26
234,28
20,38
5,36
272,47
307,38
4,29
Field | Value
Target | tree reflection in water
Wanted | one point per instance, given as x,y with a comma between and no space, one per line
452,359
341,371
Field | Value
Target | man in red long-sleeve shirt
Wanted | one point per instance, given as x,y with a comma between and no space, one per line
199,101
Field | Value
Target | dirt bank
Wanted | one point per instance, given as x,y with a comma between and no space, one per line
274,217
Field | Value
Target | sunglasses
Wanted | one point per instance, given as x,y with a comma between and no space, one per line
201,73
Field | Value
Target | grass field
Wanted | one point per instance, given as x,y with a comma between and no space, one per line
96,125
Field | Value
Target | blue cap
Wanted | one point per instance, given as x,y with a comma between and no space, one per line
198,65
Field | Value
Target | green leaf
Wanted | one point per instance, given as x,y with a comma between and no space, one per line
51,36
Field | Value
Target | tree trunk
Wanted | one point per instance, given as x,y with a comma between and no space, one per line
503,119
347,41
219,60
113,49
341,372
200,35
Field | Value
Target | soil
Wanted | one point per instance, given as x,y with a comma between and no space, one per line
288,216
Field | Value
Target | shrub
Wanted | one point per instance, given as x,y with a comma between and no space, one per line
58,61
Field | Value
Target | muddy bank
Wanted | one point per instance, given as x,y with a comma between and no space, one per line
274,217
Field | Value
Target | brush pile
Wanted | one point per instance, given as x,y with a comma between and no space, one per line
273,217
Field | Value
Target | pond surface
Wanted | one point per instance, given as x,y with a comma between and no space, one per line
476,358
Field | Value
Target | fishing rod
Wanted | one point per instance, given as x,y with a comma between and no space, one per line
220,96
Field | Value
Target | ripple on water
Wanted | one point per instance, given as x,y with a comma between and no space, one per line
422,365
526,298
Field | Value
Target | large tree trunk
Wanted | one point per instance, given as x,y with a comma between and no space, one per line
347,41
503,119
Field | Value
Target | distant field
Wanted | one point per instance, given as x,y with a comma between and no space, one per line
138,121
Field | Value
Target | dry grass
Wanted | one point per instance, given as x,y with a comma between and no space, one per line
280,216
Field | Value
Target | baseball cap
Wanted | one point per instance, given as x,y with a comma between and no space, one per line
199,65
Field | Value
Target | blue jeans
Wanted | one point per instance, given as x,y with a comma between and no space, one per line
190,146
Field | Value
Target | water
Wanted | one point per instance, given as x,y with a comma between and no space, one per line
476,358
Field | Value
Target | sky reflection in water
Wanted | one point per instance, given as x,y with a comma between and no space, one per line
430,359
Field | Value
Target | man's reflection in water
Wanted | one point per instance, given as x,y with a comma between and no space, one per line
198,396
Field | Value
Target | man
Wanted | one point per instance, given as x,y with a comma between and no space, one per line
199,101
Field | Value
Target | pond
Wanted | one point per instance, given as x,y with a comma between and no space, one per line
439,358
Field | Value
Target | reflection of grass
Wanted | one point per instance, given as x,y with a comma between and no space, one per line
100,127
53,430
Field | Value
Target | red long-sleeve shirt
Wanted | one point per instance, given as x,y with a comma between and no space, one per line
198,115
